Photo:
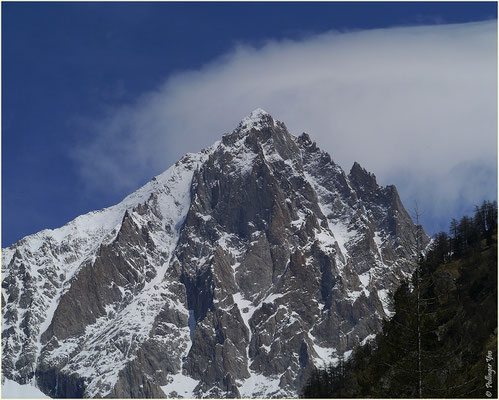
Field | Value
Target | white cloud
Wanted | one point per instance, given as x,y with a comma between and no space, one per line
413,105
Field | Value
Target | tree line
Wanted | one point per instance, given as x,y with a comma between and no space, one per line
466,233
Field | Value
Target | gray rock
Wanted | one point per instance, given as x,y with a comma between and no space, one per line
236,272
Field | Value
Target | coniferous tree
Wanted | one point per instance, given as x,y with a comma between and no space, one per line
454,248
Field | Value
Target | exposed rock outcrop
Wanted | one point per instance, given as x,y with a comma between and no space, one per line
231,274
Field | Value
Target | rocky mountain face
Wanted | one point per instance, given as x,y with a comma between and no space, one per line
231,274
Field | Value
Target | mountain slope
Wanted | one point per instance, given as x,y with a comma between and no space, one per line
234,272
442,339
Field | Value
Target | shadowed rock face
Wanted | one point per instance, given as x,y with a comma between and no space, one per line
231,274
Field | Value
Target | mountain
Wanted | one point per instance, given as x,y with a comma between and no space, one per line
233,273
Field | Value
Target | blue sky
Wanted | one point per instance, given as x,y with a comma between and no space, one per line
83,85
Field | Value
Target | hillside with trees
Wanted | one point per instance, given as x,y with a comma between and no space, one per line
442,339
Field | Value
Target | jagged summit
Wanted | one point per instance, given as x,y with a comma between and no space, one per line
361,178
258,119
257,113
259,135
255,118
234,272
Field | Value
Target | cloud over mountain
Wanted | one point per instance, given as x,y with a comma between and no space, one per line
415,105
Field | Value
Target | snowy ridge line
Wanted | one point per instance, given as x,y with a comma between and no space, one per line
306,267
83,236
136,320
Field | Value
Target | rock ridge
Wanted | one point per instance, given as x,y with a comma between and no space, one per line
232,274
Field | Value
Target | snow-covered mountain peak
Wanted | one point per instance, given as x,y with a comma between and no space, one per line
234,272
258,119
256,115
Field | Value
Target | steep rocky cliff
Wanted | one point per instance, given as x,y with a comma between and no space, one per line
230,274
